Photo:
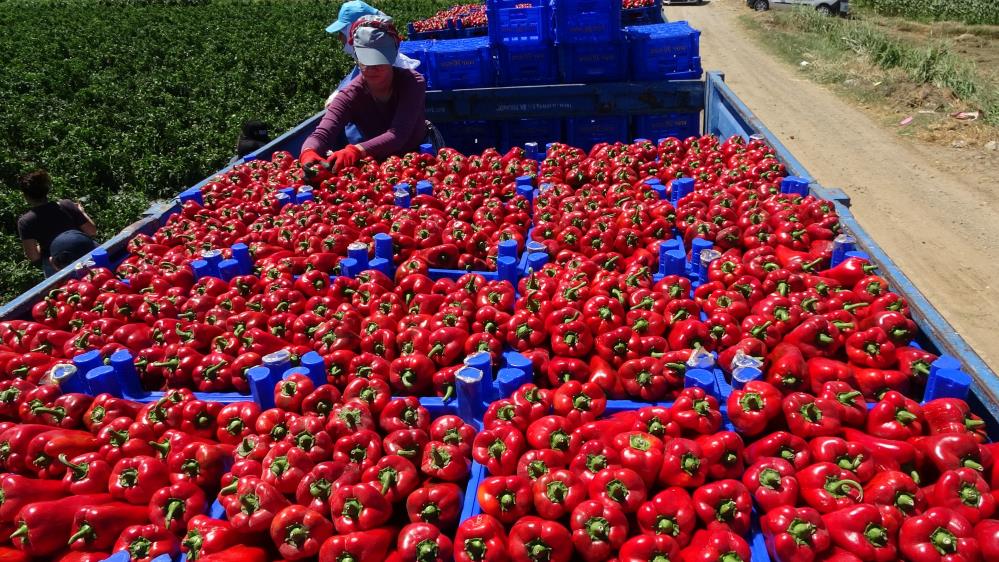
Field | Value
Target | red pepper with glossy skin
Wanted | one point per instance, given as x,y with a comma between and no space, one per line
373,544
949,451
822,370
97,527
18,491
772,483
725,503
438,504
557,493
361,448
853,407
915,362
895,417
146,542
852,456
827,487
723,452
198,463
780,444
41,528
618,345
964,491
395,476
87,474
507,498
619,487
44,449
808,416
648,548
444,462
987,535
953,415
696,412
671,513
641,452
579,402
646,378
938,535
787,370
252,506
861,530
298,532
536,540
754,407
481,538
815,337
795,534
551,432
888,454
206,536
498,450
871,348
171,507
359,507
683,465
423,542
598,530
716,545
897,491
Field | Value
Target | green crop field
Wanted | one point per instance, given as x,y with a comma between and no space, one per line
128,101
967,11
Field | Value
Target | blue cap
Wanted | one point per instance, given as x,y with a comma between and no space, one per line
349,13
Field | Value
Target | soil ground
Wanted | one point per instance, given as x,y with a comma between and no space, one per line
933,208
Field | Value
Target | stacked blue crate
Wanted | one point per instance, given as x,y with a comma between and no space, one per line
517,132
588,38
664,51
662,125
520,33
584,132
460,63
417,50
469,137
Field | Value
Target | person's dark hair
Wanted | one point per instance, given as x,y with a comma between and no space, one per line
252,136
36,185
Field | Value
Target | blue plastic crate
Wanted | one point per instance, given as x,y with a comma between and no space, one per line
586,21
518,21
661,125
524,64
516,132
417,50
460,63
593,62
664,51
643,16
469,137
584,132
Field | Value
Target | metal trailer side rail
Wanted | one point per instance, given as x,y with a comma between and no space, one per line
724,115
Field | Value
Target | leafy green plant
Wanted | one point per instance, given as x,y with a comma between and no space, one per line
126,101
967,11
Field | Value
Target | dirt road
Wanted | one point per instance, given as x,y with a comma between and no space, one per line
934,210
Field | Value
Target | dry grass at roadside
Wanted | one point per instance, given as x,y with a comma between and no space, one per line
914,76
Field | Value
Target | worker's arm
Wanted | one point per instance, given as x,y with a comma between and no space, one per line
31,250
409,115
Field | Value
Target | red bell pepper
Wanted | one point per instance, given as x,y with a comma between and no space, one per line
724,503
861,530
298,532
41,528
987,535
620,487
795,534
507,498
146,542
827,487
534,539
444,462
772,483
853,407
754,407
696,412
671,513
557,493
895,417
953,415
253,505
964,491
683,465
423,541
374,544
18,491
645,548
395,476
97,527
949,451
641,452
481,538
439,504
87,474
498,450
780,444
171,507
206,536
897,491
871,348
598,530
359,507
851,455
787,369
939,534
716,544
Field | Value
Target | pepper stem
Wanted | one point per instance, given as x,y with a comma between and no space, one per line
944,541
172,508
80,471
86,532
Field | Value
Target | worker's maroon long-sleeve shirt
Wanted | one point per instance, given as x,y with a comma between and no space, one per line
394,127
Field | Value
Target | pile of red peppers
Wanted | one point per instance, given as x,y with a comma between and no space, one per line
832,453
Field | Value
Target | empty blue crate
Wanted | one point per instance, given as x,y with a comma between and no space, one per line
460,63
584,132
593,62
586,21
664,51
469,137
662,125
518,21
522,64
516,132
644,15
